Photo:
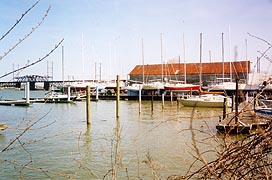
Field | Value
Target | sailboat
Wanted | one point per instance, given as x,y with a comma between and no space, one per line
204,100
182,85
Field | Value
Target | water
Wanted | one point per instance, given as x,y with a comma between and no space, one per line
59,144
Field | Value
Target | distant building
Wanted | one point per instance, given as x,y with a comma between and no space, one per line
195,72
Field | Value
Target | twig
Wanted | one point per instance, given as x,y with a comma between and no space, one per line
26,36
40,59
19,20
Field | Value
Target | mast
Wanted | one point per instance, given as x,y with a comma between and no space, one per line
82,56
200,59
185,74
161,60
143,59
62,59
223,68
246,64
230,55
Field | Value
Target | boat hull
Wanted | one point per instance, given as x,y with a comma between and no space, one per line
182,88
196,103
213,101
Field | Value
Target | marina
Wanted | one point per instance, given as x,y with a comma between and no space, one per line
63,137
83,96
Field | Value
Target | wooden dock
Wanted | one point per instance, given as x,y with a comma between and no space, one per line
14,103
243,122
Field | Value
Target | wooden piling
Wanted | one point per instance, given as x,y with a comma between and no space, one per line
140,99
152,99
117,96
236,101
68,93
88,103
27,92
162,100
225,108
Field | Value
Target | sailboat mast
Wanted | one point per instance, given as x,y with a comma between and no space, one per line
200,59
230,55
143,59
184,60
246,64
82,56
223,68
62,58
161,60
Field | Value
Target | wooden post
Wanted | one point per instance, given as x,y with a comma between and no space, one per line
140,99
117,96
171,95
27,94
68,93
236,101
162,100
88,102
225,107
152,99
232,102
96,93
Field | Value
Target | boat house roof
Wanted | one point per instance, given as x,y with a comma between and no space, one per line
192,68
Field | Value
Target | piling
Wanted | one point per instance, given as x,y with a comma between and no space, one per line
232,102
152,100
96,93
140,99
225,107
171,96
27,92
117,96
162,100
88,104
68,93
236,101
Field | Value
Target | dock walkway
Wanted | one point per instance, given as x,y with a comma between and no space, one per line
243,123
14,103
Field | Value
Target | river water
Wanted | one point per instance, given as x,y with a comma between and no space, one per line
59,145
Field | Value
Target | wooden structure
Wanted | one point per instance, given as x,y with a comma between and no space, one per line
176,71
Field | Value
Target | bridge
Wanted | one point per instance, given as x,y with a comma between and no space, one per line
32,79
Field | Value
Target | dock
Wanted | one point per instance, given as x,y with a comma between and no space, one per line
244,121
14,103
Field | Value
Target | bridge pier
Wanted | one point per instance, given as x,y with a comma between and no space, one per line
46,85
18,84
32,85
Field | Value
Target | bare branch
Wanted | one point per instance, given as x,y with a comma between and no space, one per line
26,36
18,21
40,59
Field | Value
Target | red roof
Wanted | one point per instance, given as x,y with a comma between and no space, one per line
192,68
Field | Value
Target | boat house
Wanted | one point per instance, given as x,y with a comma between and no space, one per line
206,73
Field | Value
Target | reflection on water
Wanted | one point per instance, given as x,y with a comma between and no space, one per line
147,145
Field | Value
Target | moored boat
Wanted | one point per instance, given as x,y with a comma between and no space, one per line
207,100
181,87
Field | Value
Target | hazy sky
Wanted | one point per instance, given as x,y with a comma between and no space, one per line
110,32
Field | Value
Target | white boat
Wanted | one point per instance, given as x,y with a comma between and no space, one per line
206,100
227,86
59,97
153,85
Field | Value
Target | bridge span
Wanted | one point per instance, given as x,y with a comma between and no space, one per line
33,79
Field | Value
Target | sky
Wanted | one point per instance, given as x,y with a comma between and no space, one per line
111,37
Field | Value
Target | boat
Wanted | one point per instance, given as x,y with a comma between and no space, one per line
155,85
59,97
205,100
181,87
264,111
